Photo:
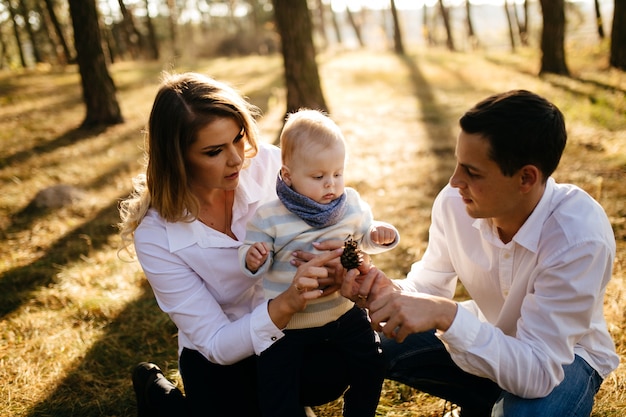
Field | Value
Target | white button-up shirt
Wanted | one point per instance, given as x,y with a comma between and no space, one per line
195,275
536,301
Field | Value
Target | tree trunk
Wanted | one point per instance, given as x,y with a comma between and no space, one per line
398,45
471,34
321,22
301,75
30,31
3,51
173,25
618,36
355,25
526,22
48,36
426,26
599,19
446,23
111,46
98,88
522,28
510,22
336,28
132,37
16,33
153,45
553,38
59,31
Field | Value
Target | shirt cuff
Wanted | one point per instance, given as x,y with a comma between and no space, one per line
263,331
462,334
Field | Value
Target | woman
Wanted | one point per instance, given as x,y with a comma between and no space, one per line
206,175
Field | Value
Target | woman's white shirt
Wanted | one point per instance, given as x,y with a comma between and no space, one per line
195,276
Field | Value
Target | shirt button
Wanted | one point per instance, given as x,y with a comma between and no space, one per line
507,255
274,338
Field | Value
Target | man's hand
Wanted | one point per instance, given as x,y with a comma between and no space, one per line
399,314
365,284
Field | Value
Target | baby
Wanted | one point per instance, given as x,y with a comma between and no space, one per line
314,205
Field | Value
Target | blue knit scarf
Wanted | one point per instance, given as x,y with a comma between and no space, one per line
313,213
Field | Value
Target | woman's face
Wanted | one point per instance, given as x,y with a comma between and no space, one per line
215,159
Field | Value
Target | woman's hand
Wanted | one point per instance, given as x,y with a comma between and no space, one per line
308,284
332,282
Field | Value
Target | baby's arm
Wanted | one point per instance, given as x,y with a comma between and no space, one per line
256,256
383,235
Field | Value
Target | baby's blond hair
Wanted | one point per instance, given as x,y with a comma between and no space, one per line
306,128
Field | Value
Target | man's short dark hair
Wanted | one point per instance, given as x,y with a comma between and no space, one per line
522,129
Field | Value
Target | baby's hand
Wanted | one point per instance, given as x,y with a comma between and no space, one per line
256,256
382,235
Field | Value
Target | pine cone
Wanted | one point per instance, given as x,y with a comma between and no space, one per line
351,256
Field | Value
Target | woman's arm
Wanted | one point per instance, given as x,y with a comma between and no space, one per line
221,314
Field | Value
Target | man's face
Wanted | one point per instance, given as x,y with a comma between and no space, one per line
486,191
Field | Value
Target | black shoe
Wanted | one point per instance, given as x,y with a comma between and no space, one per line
144,376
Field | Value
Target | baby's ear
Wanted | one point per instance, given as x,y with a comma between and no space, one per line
286,175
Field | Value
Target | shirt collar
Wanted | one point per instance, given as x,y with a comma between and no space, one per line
184,234
529,234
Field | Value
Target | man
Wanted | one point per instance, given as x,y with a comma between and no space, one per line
535,257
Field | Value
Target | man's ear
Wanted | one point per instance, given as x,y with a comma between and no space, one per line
529,177
286,175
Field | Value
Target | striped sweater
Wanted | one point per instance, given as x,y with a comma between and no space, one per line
284,232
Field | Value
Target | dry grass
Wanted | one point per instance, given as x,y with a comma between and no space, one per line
75,319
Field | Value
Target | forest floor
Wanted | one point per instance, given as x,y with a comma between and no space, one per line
75,318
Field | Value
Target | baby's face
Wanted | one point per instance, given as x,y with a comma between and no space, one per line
319,174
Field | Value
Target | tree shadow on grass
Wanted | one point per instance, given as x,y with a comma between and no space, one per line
17,284
24,219
68,138
581,81
441,141
99,384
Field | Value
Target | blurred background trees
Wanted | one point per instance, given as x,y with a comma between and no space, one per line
43,34
98,87
293,22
